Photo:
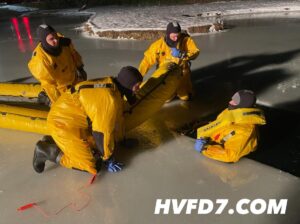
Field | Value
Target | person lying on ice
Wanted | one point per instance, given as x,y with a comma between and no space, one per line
176,47
86,121
234,133
55,64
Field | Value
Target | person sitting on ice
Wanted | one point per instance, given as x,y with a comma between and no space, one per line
86,122
178,47
55,64
234,133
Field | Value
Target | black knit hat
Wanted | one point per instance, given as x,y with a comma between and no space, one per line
243,99
129,76
173,27
43,31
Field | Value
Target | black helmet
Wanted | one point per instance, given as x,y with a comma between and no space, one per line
242,99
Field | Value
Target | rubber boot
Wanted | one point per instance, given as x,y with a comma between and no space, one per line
48,139
44,151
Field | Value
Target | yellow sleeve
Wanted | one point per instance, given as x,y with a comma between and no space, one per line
105,123
103,115
241,144
231,152
150,58
191,49
217,152
42,72
76,56
51,90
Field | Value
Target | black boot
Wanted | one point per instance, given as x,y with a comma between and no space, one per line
44,151
48,139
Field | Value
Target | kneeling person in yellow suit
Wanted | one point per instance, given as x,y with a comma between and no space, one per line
86,121
55,64
234,133
176,47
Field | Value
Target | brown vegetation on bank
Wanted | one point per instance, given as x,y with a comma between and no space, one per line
148,34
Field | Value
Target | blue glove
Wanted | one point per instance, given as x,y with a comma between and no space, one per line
113,166
176,52
200,143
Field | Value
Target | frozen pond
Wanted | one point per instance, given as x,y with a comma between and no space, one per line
262,54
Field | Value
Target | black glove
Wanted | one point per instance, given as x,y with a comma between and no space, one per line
172,66
98,164
82,76
44,99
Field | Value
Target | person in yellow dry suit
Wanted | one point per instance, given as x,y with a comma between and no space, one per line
55,64
234,133
176,47
86,121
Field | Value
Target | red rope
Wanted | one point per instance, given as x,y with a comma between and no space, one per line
24,207
72,205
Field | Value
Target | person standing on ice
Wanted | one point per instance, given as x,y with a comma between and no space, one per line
86,122
234,133
55,64
178,47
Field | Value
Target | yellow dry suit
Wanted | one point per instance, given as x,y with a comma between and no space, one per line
153,94
55,73
233,134
150,98
159,52
90,104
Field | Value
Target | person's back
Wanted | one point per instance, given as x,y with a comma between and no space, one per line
97,101
86,121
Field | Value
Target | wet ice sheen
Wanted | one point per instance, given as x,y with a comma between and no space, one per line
163,165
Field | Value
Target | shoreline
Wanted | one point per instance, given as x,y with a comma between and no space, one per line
148,22
147,34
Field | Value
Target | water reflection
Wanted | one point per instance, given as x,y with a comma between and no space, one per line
231,174
21,34
27,27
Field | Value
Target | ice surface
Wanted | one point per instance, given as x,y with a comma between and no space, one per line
163,164
156,17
